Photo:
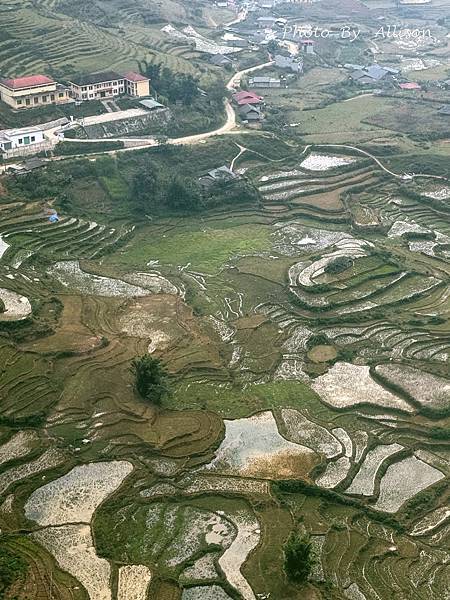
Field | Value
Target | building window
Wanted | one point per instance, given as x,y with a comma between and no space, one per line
35,99
91,87
33,138
20,101
61,95
44,98
20,140
52,97
26,140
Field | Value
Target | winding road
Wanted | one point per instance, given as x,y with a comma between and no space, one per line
230,126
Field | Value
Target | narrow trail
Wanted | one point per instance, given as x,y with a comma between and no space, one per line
402,176
242,149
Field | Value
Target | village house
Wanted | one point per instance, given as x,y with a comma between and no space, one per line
220,60
32,91
373,75
20,142
238,43
264,82
288,62
98,86
222,174
307,46
244,97
252,114
266,22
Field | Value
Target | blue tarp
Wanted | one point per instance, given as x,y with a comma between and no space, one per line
53,218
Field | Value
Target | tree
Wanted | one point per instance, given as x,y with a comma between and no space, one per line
144,189
150,378
272,46
297,558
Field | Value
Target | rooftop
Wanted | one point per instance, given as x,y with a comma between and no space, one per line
92,78
219,59
247,108
245,97
151,103
265,80
132,76
21,131
26,82
410,86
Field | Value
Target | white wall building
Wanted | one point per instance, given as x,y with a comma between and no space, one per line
21,142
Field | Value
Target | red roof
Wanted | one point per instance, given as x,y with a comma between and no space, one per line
410,86
26,82
132,76
246,98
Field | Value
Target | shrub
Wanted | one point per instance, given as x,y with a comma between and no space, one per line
297,558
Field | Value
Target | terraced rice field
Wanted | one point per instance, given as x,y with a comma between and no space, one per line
310,393
40,37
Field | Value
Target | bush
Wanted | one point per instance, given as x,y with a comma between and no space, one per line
339,265
73,148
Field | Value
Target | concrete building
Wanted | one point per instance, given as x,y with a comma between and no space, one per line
32,91
109,84
20,142
136,85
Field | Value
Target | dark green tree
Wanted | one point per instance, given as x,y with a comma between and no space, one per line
151,379
182,194
12,568
298,558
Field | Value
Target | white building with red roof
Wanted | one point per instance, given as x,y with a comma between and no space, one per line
32,91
